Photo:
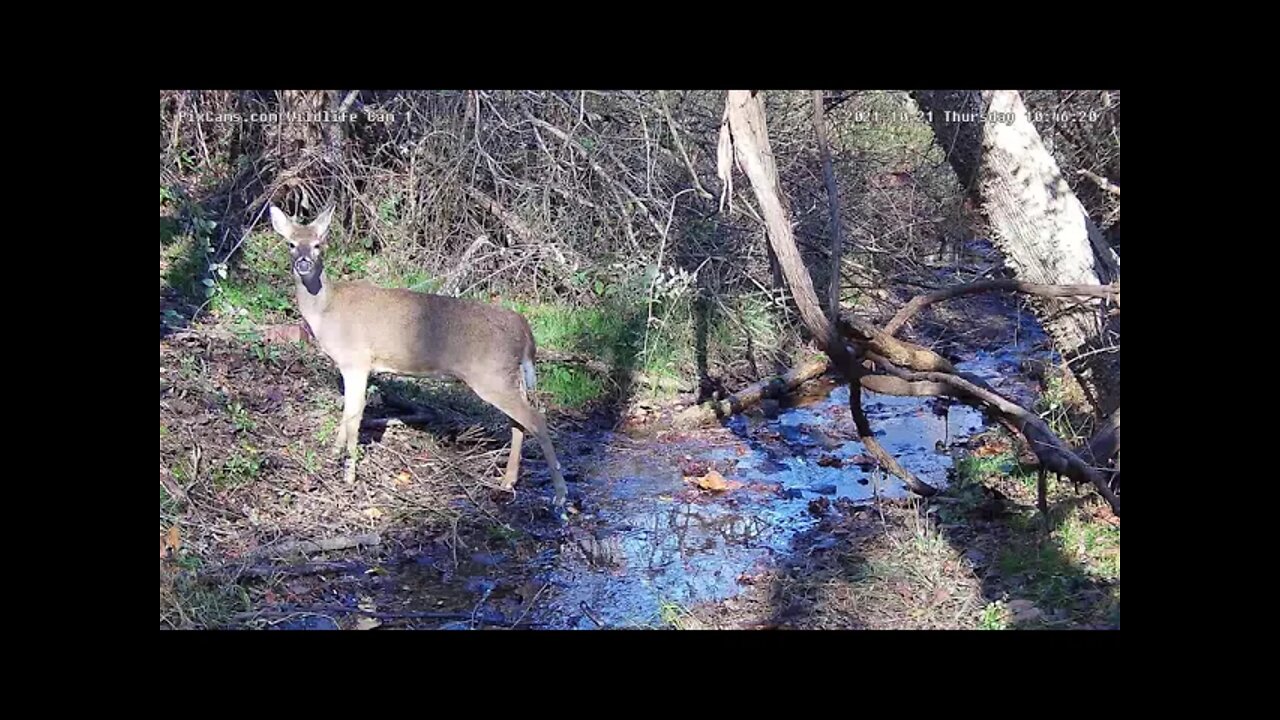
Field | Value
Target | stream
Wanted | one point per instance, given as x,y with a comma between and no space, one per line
649,538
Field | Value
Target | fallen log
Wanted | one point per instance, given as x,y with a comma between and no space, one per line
284,549
900,352
773,387
1052,452
316,568
341,542
889,385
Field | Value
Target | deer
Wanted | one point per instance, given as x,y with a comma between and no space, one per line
364,328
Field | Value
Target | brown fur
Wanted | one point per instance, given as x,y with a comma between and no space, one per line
364,328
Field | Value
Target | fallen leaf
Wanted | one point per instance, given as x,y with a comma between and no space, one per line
373,513
402,480
863,461
830,461
367,623
992,448
716,482
284,333
171,542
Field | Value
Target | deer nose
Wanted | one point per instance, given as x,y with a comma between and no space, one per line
302,265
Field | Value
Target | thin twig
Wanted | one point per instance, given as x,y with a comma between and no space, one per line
662,249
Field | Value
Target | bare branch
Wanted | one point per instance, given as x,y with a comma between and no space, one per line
599,169
833,205
675,135
1054,455
1103,183
753,394
919,302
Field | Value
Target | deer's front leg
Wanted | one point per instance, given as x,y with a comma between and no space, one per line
339,441
355,382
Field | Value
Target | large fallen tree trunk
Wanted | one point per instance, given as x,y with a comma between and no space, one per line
773,387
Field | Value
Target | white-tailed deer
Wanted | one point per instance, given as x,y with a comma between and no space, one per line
364,328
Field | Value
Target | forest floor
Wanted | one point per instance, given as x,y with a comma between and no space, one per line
767,522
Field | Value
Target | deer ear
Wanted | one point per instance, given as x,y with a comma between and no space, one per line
281,222
321,224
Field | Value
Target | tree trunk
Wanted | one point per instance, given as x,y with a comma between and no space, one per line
744,139
833,204
1040,227
744,113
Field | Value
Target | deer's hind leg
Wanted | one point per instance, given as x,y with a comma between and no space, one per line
506,394
513,462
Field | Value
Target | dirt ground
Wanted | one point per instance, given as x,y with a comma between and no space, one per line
415,542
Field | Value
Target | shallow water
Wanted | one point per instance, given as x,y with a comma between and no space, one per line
648,540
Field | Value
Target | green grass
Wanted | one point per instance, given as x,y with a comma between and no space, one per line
1074,570
994,617
1054,405
973,469
266,353
185,262
570,386
674,616
971,472
1096,545
310,459
169,506
611,334
241,417
186,602
504,534
240,468
328,429
1047,577
257,286
169,231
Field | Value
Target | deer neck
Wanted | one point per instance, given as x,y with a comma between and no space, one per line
313,292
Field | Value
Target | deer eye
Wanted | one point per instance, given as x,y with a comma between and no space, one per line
293,245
